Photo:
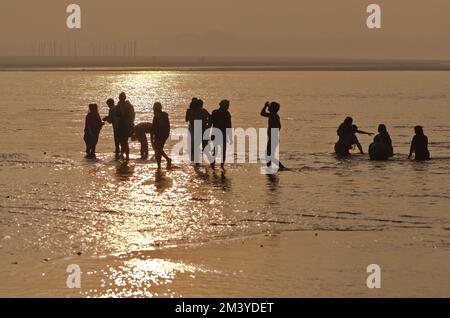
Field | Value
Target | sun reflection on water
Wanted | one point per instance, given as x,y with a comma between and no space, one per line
142,278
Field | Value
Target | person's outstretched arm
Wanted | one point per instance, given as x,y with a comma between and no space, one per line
364,132
264,111
109,118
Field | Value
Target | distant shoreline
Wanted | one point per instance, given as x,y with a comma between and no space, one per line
228,69
114,63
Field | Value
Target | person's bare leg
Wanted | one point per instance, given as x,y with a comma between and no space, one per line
169,161
158,158
224,153
360,148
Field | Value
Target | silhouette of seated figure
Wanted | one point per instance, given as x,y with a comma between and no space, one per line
381,148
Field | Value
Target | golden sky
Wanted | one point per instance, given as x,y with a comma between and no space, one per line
412,29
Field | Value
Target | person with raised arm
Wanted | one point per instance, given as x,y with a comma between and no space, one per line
270,111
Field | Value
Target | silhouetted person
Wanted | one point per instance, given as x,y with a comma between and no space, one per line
221,119
270,110
193,107
113,119
205,118
92,127
196,113
189,111
161,132
419,145
126,115
345,130
384,138
140,134
354,139
347,137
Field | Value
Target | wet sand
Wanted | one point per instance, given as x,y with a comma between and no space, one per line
288,264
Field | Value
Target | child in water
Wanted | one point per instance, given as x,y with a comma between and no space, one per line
354,139
270,110
419,145
92,128
140,134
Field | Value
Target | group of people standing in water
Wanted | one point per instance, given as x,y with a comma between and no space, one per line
219,119
381,148
122,118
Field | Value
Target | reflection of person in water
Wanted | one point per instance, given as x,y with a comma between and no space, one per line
140,134
270,110
126,114
93,125
221,120
161,132
381,148
419,145
124,171
113,119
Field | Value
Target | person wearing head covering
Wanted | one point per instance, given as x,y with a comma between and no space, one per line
221,119
161,132
113,119
344,130
419,145
381,149
92,127
384,138
126,116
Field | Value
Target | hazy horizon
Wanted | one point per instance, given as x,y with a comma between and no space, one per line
412,30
